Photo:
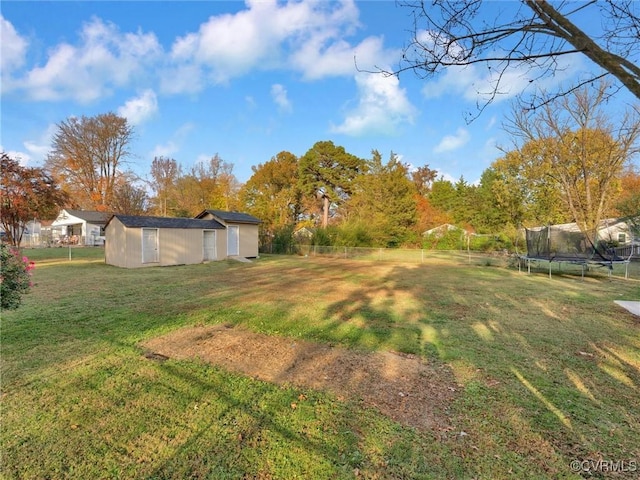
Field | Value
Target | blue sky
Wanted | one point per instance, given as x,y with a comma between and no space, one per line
245,80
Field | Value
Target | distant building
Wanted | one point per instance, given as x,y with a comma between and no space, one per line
79,227
134,241
442,230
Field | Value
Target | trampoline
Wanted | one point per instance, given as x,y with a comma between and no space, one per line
559,244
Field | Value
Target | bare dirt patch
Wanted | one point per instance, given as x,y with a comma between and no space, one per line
404,387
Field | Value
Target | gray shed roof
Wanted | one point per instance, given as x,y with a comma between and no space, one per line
140,221
232,217
91,216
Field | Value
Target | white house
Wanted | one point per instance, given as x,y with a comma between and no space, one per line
79,227
615,231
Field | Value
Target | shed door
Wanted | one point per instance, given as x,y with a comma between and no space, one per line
233,239
209,242
149,245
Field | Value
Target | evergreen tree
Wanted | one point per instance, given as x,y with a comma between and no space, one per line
328,171
384,200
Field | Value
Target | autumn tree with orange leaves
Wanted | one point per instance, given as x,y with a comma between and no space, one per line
87,158
25,194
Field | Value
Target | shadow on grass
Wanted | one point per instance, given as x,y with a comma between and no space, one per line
547,368
249,426
548,360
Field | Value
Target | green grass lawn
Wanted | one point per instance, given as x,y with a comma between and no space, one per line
549,372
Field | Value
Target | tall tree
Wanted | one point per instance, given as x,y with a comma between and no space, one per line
87,155
327,171
423,177
532,36
25,194
524,192
130,198
489,216
273,194
443,196
429,216
573,141
384,200
209,184
627,202
164,176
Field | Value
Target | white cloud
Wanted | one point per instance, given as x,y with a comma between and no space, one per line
184,78
23,158
453,142
138,109
307,36
229,45
103,59
318,58
457,81
382,106
173,145
165,150
36,150
279,95
13,47
446,176
477,84
250,101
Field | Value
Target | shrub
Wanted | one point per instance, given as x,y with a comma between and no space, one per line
324,237
354,234
283,241
449,240
15,277
491,243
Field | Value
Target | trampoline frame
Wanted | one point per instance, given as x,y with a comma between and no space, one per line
585,260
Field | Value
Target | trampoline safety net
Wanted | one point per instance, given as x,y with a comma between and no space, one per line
560,244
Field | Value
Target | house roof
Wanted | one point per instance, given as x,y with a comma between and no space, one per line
90,216
444,227
231,217
573,227
140,221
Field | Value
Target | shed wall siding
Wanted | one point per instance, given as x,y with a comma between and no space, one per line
133,249
221,244
181,246
248,240
115,247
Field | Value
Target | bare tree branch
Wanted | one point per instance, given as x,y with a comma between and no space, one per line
449,34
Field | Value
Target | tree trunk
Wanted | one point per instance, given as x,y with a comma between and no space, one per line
325,211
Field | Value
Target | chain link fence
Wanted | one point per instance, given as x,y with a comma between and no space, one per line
400,255
503,259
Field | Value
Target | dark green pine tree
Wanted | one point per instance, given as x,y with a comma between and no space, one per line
327,171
